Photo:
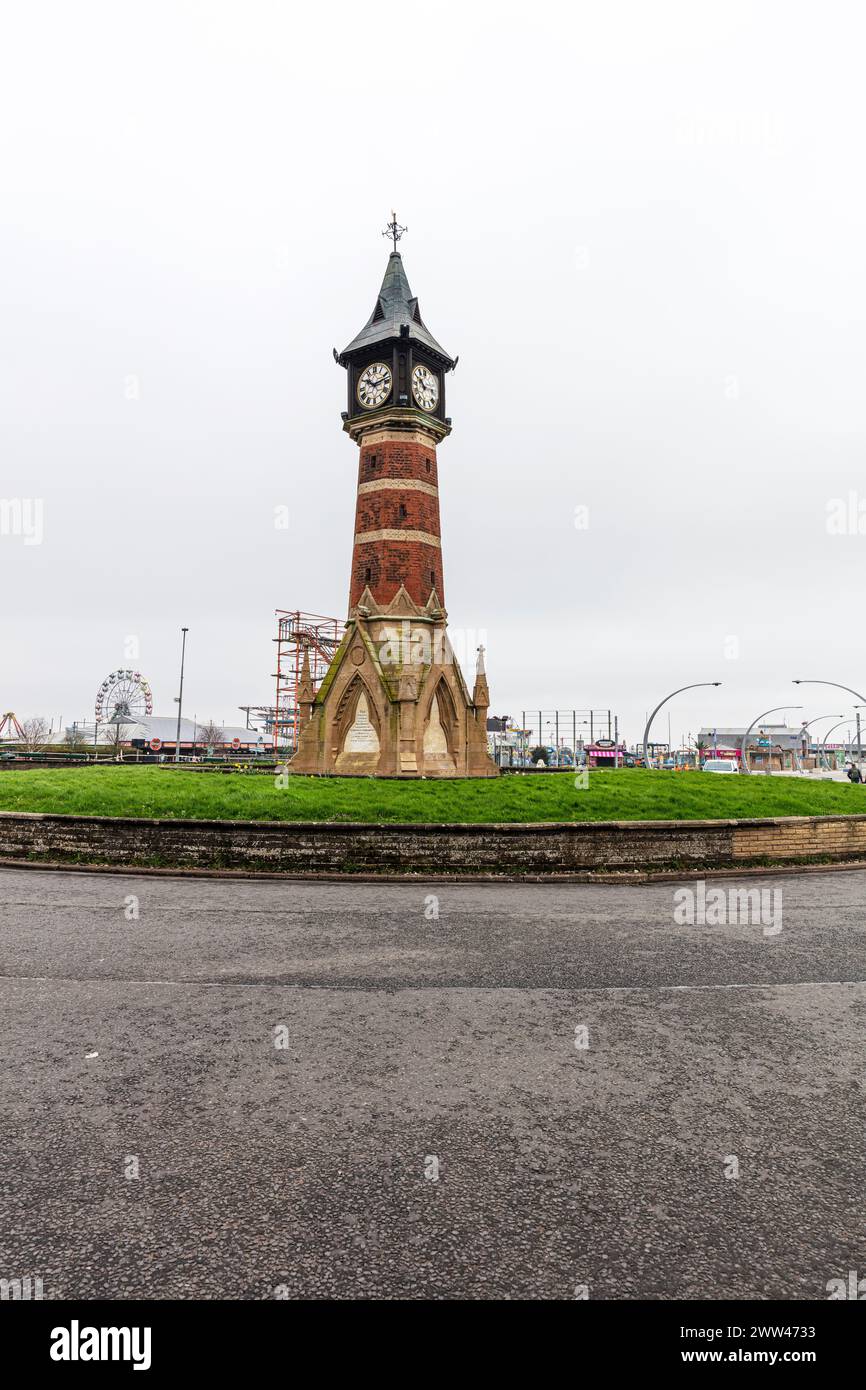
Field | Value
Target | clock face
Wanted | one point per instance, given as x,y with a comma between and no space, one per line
425,388
374,385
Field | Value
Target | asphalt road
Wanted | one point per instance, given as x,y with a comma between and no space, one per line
327,1091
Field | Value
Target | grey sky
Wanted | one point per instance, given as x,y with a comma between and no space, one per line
641,227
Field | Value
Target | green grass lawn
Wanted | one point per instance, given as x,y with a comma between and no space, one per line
624,795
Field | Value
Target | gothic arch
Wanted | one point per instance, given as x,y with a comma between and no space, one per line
344,715
447,715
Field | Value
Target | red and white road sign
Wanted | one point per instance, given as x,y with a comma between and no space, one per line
155,745
236,743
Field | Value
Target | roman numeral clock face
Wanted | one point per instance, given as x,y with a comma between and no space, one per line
425,388
374,385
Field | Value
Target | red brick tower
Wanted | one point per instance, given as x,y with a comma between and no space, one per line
397,535
396,414
394,701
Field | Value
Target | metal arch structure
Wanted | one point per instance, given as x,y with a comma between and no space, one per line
822,751
837,684
744,756
646,733
806,725
123,695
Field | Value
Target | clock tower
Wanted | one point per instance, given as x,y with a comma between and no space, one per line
394,701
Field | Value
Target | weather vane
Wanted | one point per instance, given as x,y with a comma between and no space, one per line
394,230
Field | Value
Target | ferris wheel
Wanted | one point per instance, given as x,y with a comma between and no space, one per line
123,695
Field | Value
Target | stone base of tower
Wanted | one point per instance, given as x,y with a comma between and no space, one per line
394,702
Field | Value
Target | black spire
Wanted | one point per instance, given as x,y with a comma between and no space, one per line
396,308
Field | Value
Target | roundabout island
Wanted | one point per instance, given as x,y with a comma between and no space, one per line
528,826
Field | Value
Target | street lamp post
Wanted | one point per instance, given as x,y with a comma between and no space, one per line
851,691
744,757
849,688
809,722
822,753
184,630
859,742
696,686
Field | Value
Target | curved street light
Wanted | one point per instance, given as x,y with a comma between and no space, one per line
849,746
822,750
849,688
808,723
744,759
696,686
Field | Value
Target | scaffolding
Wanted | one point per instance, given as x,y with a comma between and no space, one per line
260,718
299,634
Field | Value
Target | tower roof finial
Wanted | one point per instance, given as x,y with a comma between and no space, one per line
394,230
396,313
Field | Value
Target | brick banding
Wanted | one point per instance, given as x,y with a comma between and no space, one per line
398,485
397,536
421,537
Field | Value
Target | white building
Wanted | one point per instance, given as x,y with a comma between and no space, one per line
193,740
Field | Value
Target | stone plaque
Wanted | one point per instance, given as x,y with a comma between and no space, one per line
361,736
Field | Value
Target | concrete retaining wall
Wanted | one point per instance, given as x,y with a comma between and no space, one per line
305,847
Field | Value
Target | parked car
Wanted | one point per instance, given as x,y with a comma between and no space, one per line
720,765
669,764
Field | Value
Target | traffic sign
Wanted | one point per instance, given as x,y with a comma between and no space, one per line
155,745
236,743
